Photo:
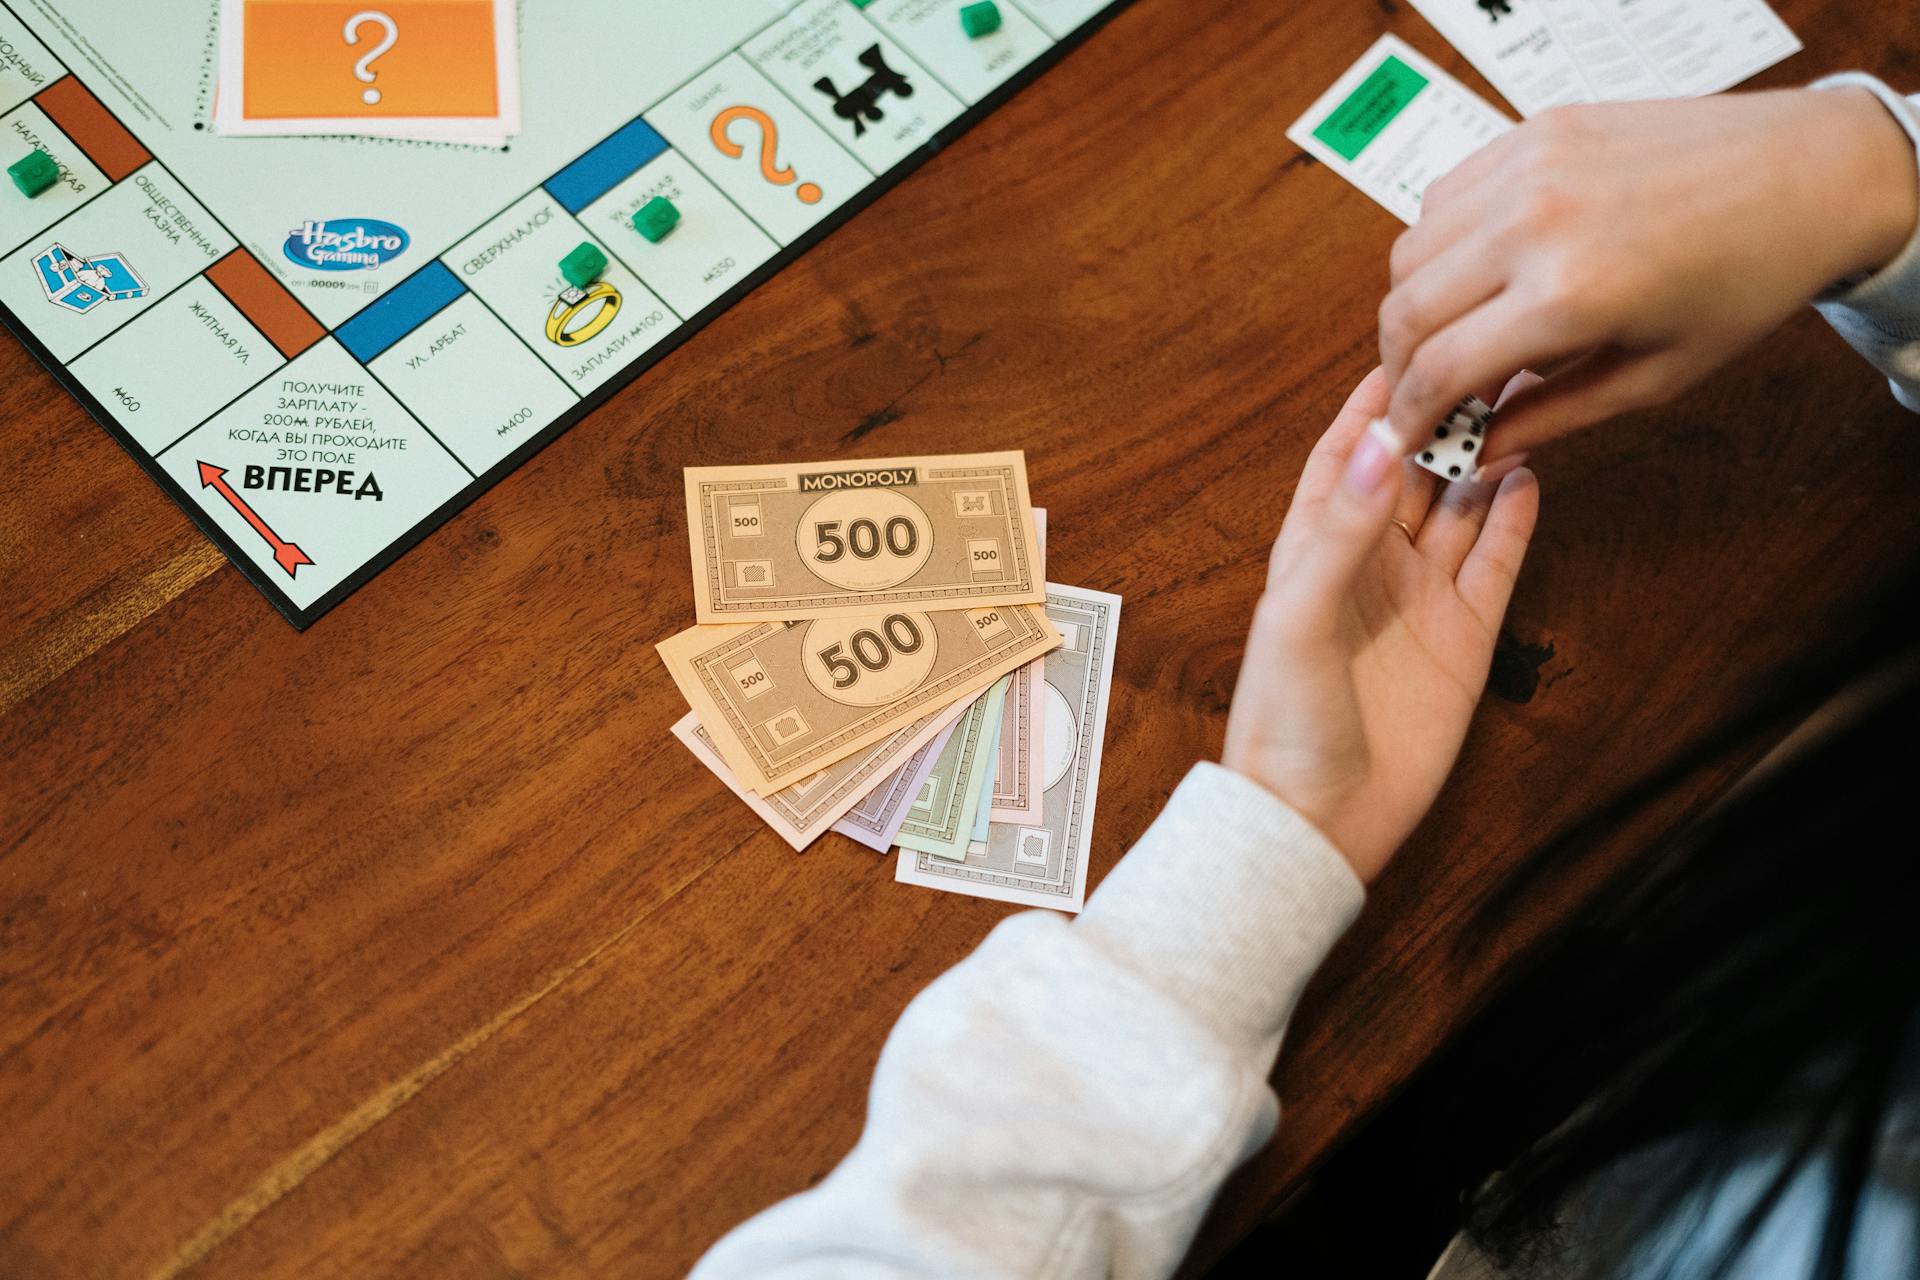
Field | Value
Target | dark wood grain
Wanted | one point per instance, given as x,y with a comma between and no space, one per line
413,945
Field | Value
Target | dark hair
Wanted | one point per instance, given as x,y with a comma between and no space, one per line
1746,1006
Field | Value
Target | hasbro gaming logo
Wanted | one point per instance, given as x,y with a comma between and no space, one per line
345,244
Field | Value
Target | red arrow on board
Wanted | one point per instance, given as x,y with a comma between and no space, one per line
285,554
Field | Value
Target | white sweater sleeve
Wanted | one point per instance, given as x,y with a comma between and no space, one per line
1880,316
1066,1100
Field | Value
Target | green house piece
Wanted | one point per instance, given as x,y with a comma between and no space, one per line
980,19
655,218
584,265
35,173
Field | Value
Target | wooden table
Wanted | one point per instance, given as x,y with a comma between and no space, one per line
413,945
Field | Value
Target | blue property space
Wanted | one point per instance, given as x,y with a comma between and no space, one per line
606,166
412,303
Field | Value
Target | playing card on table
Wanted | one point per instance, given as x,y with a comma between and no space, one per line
1453,451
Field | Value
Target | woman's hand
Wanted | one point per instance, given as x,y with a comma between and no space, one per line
1647,243
1370,647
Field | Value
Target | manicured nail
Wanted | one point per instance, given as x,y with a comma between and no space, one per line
1381,429
1500,470
1370,465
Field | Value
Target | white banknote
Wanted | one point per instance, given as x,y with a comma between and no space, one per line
1016,773
940,821
1044,863
802,811
875,821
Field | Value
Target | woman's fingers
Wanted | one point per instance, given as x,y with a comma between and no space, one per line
1479,348
1596,387
1415,505
1492,565
1460,510
1432,298
1475,194
1519,382
1322,470
1454,524
1471,173
1323,561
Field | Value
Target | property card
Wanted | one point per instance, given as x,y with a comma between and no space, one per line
443,70
1546,53
1394,123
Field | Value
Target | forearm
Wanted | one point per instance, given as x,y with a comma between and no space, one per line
1878,312
1066,1101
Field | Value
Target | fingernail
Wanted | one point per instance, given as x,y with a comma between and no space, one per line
1370,465
1504,467
1381,429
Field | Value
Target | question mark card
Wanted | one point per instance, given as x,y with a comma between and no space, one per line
396,68
757,146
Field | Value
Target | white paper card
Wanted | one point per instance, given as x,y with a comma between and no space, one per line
1546,53
1394,123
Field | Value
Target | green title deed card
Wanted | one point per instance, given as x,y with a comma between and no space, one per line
1394,123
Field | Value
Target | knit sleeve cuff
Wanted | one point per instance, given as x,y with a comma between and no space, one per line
1230,900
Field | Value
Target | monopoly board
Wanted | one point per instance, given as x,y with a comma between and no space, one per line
322,347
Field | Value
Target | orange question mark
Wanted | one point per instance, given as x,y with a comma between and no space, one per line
769,157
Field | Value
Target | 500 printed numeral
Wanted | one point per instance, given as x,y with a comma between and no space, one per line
863,539
871,649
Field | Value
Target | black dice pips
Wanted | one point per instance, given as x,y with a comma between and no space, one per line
1453,452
